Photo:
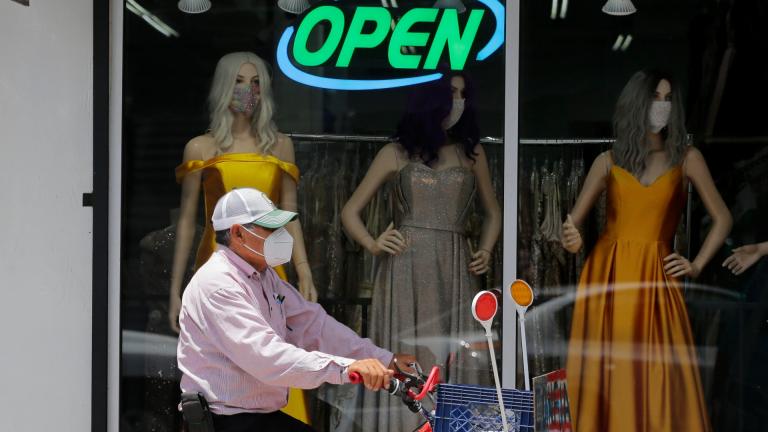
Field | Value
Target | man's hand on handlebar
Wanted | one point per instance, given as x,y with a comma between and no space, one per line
374,375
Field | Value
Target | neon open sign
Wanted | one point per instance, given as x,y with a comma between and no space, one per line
371,27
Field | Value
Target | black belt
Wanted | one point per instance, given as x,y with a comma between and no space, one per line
276,421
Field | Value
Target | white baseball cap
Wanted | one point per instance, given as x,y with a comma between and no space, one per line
247,205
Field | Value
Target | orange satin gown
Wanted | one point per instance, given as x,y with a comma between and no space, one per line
228,171
631,360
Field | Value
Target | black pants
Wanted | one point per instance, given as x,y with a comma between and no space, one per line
253,422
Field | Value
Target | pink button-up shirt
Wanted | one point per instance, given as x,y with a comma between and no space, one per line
246,336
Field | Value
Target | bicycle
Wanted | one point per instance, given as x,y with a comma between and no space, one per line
458,407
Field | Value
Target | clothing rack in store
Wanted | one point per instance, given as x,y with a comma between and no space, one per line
339,138
578,141
483,140
737,140
332,138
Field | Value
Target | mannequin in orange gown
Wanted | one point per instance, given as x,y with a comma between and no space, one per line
632,362
241,149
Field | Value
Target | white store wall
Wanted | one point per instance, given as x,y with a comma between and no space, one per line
46,129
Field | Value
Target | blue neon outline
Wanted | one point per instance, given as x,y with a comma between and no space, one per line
498,35
292,72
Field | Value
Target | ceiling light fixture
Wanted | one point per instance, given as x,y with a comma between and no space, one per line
553,12
450,4
627,41
151,19
194,6
618,43
619,7
296,7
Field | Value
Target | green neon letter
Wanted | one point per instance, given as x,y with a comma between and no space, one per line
355,37
301,53
402,37
458,44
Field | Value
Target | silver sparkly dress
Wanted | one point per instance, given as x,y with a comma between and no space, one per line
422,298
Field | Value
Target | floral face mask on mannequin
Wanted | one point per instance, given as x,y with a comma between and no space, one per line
244,99
658,115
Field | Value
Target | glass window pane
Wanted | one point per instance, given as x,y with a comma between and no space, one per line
636,125
192,132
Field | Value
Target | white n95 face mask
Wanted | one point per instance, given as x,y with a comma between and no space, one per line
457,109
658,115
278,247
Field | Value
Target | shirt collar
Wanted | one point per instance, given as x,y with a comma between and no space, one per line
239,262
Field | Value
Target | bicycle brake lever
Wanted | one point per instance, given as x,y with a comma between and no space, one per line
419,377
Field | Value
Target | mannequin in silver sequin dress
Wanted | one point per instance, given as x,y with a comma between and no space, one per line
428,273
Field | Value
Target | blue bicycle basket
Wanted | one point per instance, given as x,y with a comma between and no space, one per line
470,408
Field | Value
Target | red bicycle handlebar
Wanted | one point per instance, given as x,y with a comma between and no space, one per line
395,387
355,378
429,385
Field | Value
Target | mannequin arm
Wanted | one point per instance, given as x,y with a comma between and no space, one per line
289,201
185,230
594,185
492,224
481,259
383,167
698,173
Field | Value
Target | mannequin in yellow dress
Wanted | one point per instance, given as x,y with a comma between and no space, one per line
631,360
242,148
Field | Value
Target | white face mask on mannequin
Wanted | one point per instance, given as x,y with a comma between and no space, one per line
658,115
278,247
457,109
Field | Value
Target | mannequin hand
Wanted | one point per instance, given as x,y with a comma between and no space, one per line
306,284
390,241
174,309
481,262
742,259
677,266
571,237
